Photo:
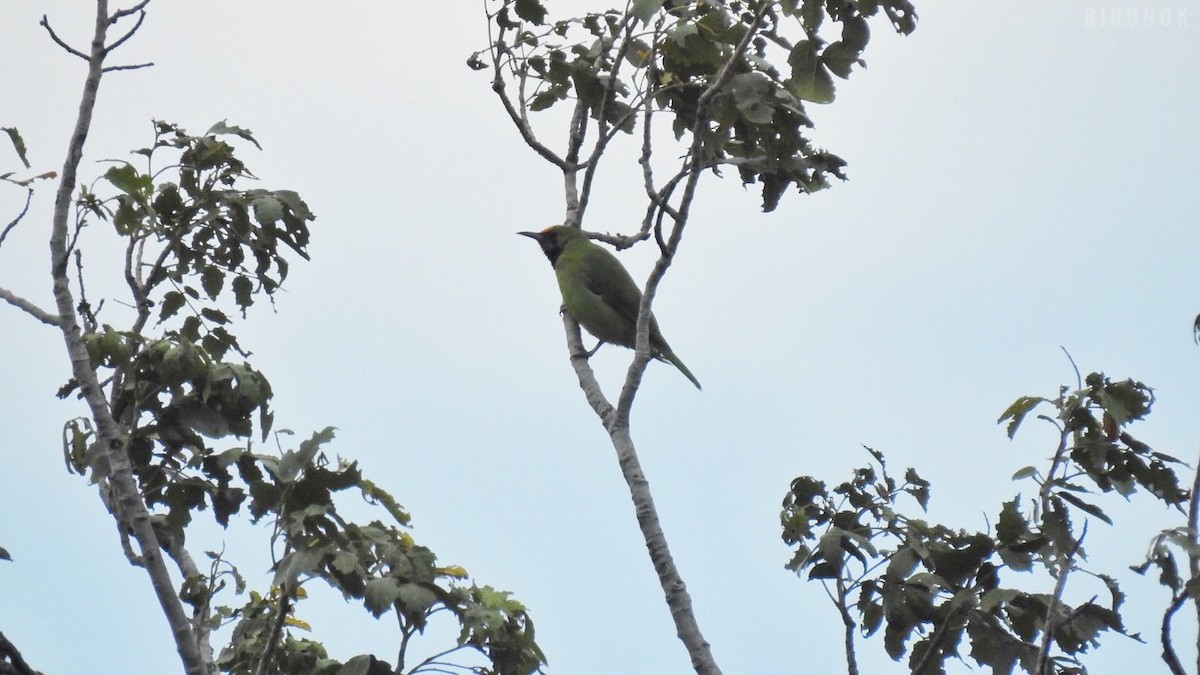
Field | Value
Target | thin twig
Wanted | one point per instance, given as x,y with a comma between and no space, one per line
109,69
518,119
45,23
122,13
128,34
24,210
1193,556
603,137
1168,654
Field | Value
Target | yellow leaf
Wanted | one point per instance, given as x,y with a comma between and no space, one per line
293,621
453,571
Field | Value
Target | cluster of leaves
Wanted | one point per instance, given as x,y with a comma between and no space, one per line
208,230
938,585
675,49
376,563
189,229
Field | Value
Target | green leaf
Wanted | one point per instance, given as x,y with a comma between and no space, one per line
810,80
242,290
214,315
917,487
267,210
291,199
18,144
752,93
531,11
1125,401
643,10
1017,412
839,57
380,594
1025,472
221,128
127,179
212,279
359,665
414,599
1011,526
171,303
1089,508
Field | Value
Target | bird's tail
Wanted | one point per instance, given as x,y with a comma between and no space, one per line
674,360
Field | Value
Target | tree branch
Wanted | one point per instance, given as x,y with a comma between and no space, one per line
518,119
130,507
128,34
13,223
11,660
28,307
136,66
1193,556
45,23
694,166
264,661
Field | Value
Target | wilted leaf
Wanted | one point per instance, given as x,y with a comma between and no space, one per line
18,144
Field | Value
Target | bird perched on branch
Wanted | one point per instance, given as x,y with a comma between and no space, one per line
599,293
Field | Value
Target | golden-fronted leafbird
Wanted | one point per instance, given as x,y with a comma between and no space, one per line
599,293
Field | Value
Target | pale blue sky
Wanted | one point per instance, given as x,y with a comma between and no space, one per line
1022,177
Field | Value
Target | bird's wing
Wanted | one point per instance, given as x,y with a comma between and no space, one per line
605,276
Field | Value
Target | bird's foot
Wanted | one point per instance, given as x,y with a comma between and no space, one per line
588,353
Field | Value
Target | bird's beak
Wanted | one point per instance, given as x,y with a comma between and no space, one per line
532,235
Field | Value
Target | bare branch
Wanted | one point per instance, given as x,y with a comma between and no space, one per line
1168,654
45,23
109,69
28,307
128,34
518,119
8,228
570,171
122,13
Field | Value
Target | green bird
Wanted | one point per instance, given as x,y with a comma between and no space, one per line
599,293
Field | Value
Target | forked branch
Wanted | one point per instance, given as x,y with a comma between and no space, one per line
129,508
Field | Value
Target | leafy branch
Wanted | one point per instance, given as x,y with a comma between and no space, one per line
711,69
943,587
